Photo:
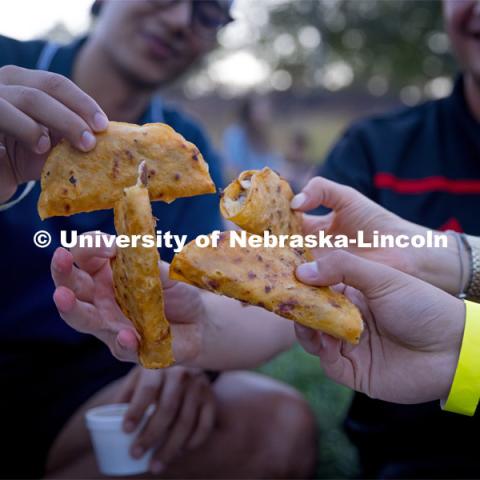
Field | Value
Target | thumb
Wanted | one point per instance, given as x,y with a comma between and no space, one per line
342,267
322,192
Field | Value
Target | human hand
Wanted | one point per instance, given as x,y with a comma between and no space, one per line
85,300
353,212
37,109
409,349
183,416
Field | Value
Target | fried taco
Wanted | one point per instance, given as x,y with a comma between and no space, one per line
74,181
265,277
136,276
259,200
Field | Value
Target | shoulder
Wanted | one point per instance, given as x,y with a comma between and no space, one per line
396,126
16,52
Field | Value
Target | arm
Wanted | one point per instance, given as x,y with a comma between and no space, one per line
209,331
351,211
240,336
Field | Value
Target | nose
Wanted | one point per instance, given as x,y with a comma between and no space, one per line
177,17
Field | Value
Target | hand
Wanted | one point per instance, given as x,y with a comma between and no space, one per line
85,299
409,349
36,110
352,212
183,417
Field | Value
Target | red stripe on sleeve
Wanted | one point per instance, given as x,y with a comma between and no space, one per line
425,185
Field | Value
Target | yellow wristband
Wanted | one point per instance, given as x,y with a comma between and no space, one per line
465,391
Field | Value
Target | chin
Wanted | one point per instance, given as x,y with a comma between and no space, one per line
143,74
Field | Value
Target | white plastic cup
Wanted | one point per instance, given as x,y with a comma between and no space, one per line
112,444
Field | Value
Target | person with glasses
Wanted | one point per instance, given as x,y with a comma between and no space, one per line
237,425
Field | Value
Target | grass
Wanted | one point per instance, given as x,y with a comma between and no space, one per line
337,457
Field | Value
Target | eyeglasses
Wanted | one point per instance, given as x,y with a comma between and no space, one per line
207,16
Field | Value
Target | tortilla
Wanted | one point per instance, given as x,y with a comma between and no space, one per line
265,277
259,200
74,181
136,277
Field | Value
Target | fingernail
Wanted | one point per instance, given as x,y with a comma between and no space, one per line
298,200
322,341
87,140
100,121
137,451
307,271
157,467
3,150
129,426
43,144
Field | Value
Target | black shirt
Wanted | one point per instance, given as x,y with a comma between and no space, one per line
422,163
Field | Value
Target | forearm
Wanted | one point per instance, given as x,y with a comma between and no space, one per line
446,268
240,336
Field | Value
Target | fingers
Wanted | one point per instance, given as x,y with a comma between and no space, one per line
65,274
19,125
60,88
84,317
79,315
342,267
126,387
167,283
322,192
316,223
48,111
93,258
171,398
311,340
329,350
183,427
146,393
206,420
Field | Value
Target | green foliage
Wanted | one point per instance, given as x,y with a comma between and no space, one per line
400,41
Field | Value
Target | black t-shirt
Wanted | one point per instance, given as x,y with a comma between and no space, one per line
422,163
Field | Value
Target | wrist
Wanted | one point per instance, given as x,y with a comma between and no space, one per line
450,347
442,267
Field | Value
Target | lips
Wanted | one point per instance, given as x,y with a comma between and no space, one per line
157,47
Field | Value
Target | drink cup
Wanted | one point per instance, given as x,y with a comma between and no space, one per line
111,444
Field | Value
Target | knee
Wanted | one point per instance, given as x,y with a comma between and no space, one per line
294,438
273,423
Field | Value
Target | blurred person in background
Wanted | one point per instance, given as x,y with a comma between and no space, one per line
247,144
299,166
421,163
241,424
